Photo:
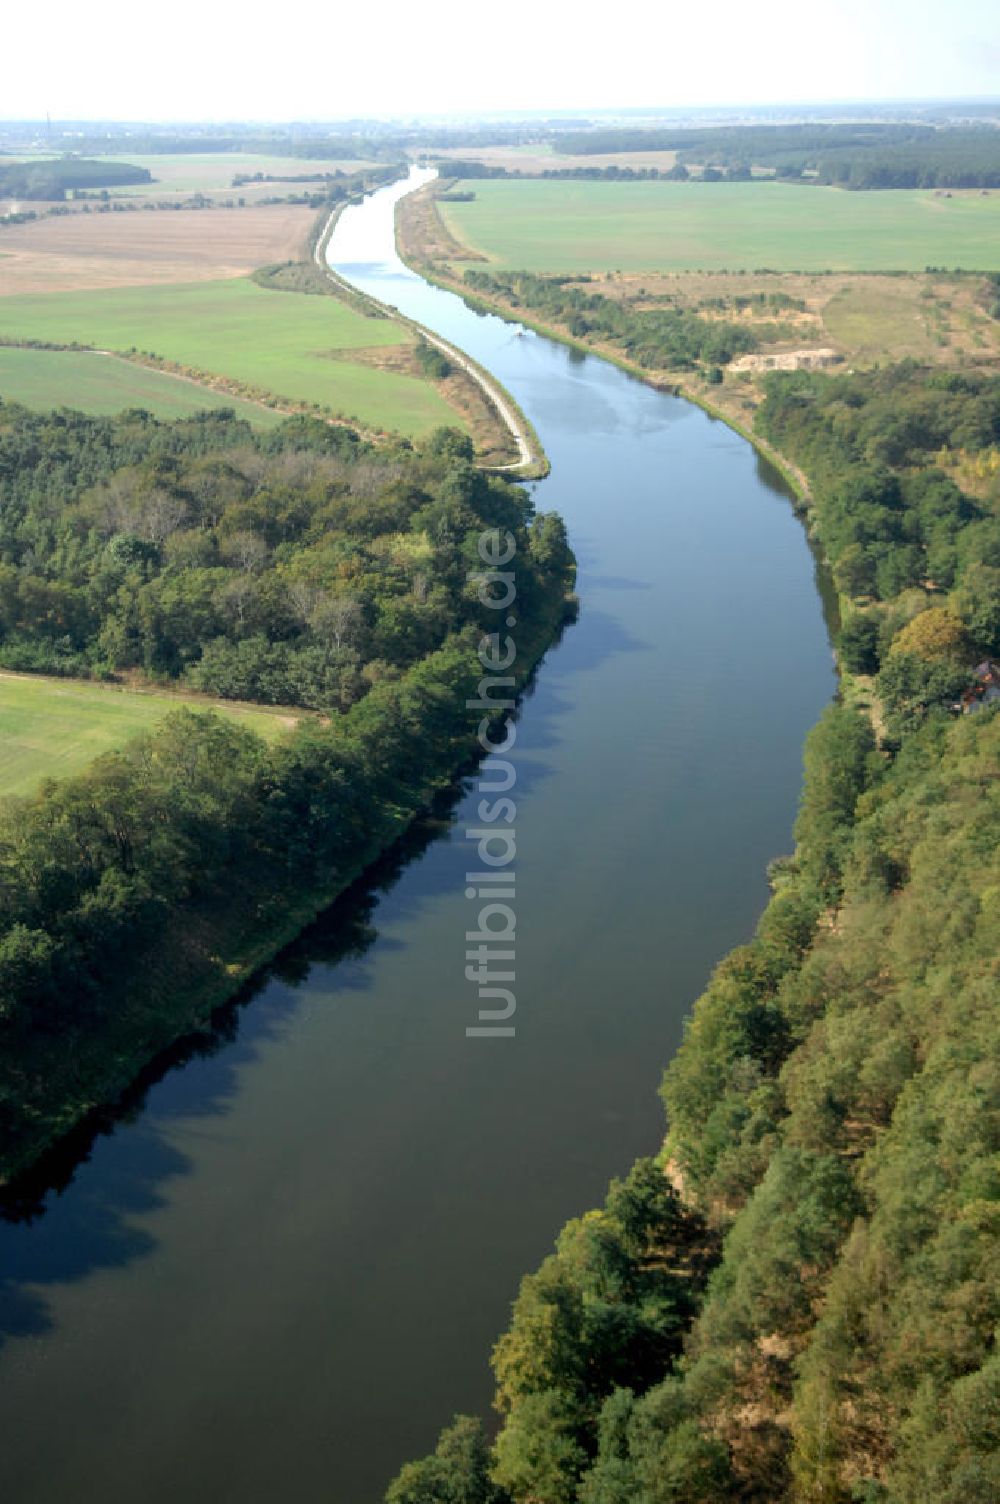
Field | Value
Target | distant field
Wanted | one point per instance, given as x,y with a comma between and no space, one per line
51,728
287,343
575,227
213,172
538,159
101,384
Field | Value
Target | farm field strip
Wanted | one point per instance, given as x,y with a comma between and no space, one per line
73,252
102,384
290,344
585,226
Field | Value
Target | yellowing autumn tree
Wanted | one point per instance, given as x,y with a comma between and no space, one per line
936,635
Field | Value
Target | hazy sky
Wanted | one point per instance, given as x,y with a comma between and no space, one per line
195,59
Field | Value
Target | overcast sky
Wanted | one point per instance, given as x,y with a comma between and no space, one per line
197,59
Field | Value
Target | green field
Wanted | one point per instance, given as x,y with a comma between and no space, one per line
576,227
286,343
50,728
101,384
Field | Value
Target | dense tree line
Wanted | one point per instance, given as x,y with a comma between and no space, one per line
718,143
669,337
829,1173
460,168
37,179
368,143
293,569
916,558
947,162
132,894
934,153
858,156
833,1126
365,140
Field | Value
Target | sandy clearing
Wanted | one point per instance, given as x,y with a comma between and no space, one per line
76,252
864,315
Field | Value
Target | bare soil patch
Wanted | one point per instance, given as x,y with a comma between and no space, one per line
77,252
787,360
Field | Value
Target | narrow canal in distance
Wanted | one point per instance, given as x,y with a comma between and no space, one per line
283,1271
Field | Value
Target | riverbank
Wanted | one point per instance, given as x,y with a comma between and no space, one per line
351,1103
827,1063
413,245
416,223
531,462
213,953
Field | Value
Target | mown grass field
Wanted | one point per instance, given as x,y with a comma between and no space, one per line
101,384
290,344
51,728
576,227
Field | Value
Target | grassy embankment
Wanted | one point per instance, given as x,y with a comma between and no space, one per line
490,413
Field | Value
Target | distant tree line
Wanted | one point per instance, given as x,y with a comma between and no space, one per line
461,167
363,140
863,156
719,142
54,179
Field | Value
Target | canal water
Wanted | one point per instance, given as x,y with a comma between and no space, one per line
280,1270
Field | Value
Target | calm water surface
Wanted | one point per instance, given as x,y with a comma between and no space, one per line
283,1270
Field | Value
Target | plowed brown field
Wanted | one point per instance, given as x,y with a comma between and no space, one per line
75,252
